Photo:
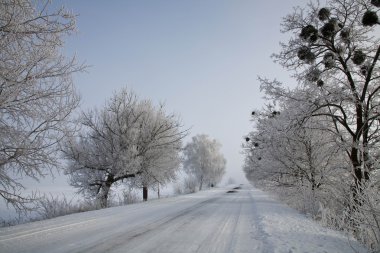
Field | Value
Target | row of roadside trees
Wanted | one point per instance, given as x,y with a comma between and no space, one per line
318,144
128,142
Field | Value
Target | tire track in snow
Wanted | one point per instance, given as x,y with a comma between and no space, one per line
51,227
220,226
226,226
115,241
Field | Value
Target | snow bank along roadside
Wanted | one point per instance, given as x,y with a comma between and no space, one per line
285,228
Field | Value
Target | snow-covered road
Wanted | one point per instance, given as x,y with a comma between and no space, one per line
247,220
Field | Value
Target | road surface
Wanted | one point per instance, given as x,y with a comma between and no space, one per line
245,220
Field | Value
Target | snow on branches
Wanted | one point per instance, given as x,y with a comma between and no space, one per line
36,91
203,160
128,139
326,139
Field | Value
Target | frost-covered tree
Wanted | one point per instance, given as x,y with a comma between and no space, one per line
283,154
160,137
127,139
204,161
36,92
334,54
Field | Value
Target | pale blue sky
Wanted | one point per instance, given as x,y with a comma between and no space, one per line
201,58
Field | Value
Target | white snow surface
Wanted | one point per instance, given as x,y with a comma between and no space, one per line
248,220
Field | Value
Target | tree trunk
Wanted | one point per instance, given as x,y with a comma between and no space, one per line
367,164
354,157
312,181
145,193
103,195
358,175
104,191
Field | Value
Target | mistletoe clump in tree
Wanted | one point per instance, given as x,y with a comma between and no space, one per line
334,54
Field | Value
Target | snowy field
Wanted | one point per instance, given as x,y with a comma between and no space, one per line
247,220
